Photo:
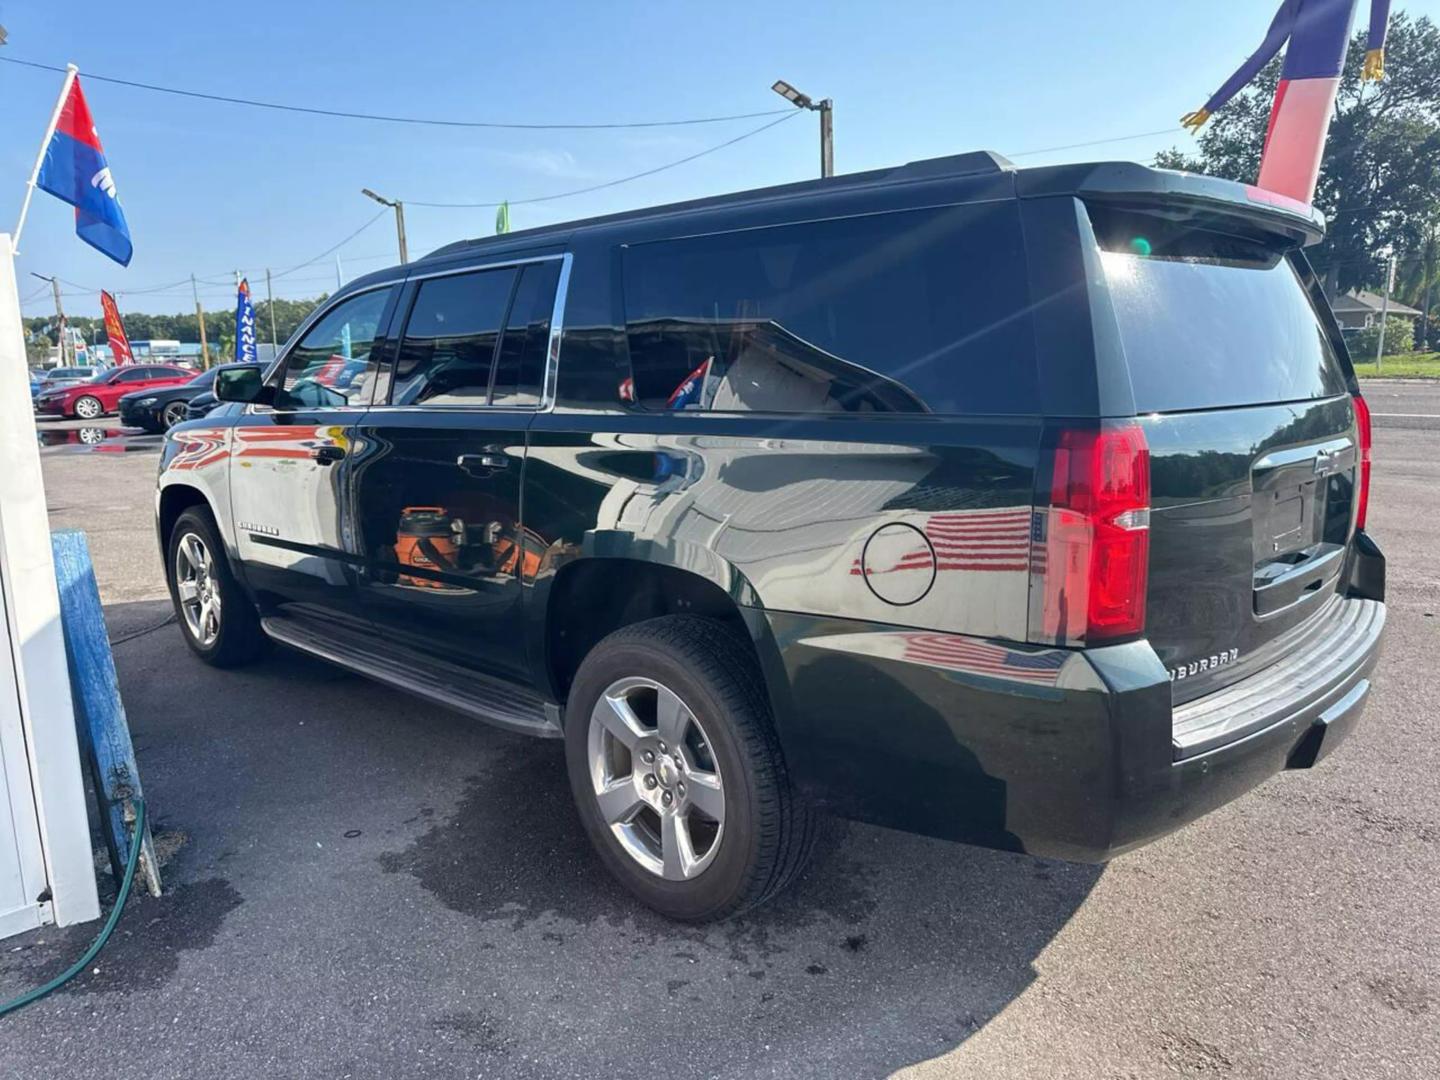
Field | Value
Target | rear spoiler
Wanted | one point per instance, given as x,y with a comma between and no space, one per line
1294,223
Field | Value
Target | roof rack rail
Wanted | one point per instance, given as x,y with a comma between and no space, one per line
977,161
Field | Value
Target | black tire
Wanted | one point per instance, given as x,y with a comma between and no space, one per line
769,830
172,414
240,639
92,411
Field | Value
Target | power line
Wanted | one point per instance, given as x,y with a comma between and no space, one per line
382,118
334,248
1093,142
789,114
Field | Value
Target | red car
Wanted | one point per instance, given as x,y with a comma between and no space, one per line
100,395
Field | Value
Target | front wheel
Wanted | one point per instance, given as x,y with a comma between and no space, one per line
88,408
216,618
677,772
172,414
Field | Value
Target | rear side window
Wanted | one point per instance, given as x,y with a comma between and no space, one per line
1209,322
520,364
918,311
449,344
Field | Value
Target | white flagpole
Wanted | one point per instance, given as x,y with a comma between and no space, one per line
70,72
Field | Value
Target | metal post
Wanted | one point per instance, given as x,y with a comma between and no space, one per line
70,72
1385,312
59,311
200,318
400,231
827,138
270,299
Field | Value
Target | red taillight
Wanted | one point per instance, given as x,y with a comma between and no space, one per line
1096,560
1362,430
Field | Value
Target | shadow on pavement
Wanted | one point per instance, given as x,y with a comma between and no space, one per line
403,877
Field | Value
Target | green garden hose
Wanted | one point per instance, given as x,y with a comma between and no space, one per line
99,943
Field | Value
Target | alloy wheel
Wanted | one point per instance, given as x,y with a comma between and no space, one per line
655,778
88,408
198,589
173,413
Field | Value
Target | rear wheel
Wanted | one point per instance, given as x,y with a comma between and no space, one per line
217,619
172,414
677,772
88,408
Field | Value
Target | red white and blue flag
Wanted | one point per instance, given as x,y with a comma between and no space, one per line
691,391
74,169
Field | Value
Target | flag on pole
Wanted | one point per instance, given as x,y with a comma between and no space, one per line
502,218
115,330
73,169
244,324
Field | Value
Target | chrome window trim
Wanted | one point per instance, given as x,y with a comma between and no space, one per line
278,365
552,350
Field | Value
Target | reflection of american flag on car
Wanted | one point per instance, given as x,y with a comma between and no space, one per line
990,539
978,657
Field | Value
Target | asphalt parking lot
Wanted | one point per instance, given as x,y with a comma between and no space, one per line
364,886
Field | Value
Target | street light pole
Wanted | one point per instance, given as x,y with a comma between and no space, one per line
59,310
826,109
1385,310
399,220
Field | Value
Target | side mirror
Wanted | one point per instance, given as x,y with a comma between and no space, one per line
245,385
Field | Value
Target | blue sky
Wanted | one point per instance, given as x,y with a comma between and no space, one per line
211,187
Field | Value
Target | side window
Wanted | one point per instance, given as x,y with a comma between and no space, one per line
448,350
520,366
913,311
332,365
131,375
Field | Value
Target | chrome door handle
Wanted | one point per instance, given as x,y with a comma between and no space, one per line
472,463
328,455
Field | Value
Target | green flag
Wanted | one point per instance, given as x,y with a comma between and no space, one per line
502,219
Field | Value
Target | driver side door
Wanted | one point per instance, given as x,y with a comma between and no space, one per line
289,462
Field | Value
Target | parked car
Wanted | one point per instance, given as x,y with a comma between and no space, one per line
201,405
101,394
66,376
1018,507
158,408
37,380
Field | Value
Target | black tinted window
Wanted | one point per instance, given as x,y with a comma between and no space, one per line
916,311
449,343
520,367
332,367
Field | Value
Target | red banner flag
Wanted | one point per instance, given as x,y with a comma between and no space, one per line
115,330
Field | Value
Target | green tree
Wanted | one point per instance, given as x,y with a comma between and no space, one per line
1379,184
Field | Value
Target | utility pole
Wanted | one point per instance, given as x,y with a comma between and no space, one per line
200,318
59,311
826,109
1385,310
270,299
399,220
1429,282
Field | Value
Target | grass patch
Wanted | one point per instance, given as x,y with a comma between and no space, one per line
1407,366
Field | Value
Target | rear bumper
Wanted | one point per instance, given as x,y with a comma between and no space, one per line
1074,754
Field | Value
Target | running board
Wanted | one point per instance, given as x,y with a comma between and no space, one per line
491,700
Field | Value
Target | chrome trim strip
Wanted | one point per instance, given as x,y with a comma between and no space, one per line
557,331
469,268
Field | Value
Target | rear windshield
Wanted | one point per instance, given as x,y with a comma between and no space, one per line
1207,331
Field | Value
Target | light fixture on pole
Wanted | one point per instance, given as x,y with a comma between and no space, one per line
399,219
826,109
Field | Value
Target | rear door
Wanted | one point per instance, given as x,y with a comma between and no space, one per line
1244,394
437,478
289,463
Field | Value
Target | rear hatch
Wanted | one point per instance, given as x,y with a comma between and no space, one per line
1244,395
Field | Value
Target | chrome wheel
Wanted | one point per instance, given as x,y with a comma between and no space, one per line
88,408
655,778
198,589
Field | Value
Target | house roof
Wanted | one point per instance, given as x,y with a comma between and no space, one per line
1363,301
